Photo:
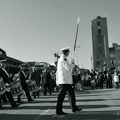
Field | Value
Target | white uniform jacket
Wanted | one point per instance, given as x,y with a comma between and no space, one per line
64,71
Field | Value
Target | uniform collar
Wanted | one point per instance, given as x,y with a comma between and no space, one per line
64,56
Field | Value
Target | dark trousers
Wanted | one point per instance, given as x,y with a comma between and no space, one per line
47,87
0,102
27,93
116,85
63,88
25,88
4,98
10,98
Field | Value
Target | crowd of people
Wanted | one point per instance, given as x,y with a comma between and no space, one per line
44,83
67,78
98,79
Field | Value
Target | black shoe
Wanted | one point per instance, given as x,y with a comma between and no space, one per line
5,102
45,94
61,113
76,109
1,107
15,105
20,102
30,101
34,96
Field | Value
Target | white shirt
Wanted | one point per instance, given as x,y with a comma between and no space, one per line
116,78
64,71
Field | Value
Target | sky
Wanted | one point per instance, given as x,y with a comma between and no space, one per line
33,30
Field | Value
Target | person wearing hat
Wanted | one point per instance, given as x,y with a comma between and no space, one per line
65,82
23,78
36,76
6,79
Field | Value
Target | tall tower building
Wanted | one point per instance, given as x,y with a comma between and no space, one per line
100,48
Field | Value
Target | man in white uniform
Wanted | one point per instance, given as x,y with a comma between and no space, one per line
65,82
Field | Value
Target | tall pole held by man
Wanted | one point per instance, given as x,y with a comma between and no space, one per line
76,37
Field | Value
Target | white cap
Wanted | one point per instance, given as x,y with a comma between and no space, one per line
65,49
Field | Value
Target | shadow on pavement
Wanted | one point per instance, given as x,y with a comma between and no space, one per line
73,116
49,102
54,107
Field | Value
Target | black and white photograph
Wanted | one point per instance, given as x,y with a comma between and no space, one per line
59,60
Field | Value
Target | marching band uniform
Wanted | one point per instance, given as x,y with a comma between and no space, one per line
46,82
22,78
0,103
36,75
5,76
4,98
65,82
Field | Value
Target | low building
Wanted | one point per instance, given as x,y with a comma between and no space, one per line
114,56
11,63
42,65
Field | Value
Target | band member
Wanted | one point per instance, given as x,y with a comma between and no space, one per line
36,75
23,78
4,98
0,103
6,80
65,82
46,82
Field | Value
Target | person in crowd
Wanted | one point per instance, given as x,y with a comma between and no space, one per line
75,74
53,80
119,72
65,83
5,76
116,80
56,57
46,82
93,75
4,98
36,75
100,79
0,103
23,78
109,79
88,79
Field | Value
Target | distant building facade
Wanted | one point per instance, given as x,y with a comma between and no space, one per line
100,48
44,65
11,63
114,56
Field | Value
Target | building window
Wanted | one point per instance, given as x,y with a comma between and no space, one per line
113,62
99,31
98,23
98,63
118,48
112,55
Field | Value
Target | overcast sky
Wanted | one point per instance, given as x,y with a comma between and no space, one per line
32,30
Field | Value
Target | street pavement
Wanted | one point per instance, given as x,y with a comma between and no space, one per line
100,104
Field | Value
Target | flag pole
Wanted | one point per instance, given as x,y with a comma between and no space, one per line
76,37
